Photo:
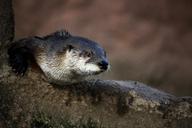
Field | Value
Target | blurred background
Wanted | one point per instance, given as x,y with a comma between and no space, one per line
146,40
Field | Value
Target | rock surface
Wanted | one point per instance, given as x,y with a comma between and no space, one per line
111,104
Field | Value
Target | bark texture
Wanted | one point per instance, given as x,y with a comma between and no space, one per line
31,102
6,21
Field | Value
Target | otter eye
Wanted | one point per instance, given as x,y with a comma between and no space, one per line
70,47
87,54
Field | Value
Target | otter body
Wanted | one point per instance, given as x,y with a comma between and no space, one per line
63,58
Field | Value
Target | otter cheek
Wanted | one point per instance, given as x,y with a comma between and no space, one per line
92,68
80,65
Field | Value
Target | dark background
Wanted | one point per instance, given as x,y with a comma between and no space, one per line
146,40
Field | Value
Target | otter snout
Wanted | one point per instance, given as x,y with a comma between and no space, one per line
103,65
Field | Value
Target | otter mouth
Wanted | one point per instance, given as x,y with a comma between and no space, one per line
98,72
92,73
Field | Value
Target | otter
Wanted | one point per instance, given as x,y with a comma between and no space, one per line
62,57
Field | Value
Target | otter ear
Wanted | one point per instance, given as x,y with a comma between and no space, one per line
59,34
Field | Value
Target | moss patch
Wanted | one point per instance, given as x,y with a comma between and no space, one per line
43,121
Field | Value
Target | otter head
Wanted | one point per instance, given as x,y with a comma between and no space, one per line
75,59
70,59
84,57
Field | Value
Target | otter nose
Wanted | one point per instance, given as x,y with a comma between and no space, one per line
103,65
